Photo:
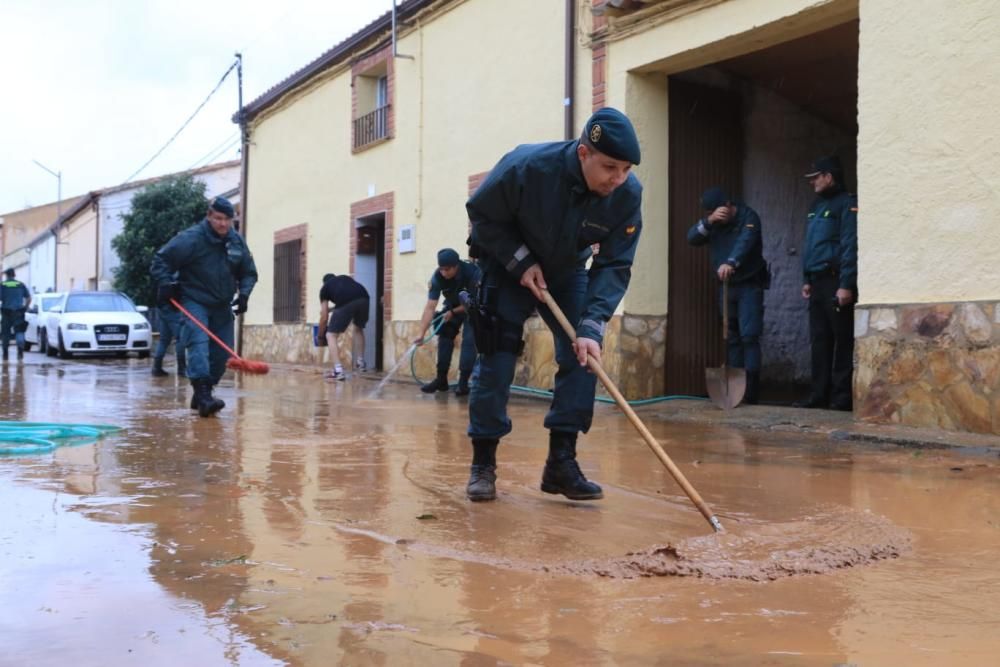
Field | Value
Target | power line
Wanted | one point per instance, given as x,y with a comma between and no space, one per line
171,140
204,159
232,144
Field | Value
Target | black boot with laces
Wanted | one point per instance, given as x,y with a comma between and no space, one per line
562,474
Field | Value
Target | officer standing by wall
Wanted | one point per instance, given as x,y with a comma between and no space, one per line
733,234
451,277
830,283
15,299
212,263
534,219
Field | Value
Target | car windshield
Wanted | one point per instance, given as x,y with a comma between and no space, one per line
99,303
49,304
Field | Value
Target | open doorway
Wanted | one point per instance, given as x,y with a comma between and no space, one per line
369,270
753,124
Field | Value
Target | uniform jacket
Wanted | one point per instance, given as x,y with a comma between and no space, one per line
210,269
737,243
535,208
832,238
466,278
13,294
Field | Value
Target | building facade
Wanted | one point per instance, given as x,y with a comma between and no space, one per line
361,163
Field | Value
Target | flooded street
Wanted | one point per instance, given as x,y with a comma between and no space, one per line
312,525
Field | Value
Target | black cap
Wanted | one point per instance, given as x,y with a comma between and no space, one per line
9,273
448,257
825,165
713,198
610,132
222,205
328,277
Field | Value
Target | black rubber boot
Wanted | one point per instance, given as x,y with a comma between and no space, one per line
182,366
463,385
483,474
562,474
20,353
752,395
206,404
157,370
437,384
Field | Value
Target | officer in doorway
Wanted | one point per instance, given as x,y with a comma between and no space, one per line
14,299
534,220
732,232
452,276
830,283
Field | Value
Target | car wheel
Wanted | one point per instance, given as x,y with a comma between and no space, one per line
63,352
144,354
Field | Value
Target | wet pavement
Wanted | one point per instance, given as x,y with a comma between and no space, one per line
314,524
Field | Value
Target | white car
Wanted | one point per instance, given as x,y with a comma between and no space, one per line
41,304
96,323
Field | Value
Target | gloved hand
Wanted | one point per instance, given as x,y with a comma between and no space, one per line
240,304
166,292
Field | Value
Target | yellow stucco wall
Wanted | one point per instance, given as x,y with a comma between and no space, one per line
458,108
77,251
929,151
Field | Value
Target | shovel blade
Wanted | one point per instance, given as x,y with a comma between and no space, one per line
726,386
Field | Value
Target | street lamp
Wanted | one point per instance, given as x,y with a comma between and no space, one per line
55,232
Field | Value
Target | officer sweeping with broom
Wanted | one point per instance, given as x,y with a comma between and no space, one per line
212,263
534,220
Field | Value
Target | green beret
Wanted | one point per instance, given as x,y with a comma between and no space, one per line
610,132
447,257
222,205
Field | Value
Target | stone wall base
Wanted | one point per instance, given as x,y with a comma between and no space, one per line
929,365
633,352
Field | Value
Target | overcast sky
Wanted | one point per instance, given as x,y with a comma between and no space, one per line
93,88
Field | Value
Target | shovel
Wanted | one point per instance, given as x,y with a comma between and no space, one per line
671,467
726,386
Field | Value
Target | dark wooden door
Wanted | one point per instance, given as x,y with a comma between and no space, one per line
706,149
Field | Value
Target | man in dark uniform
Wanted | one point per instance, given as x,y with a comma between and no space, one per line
830,272
212,263
732,231
15,299
451,277
170,323
534,219
350,304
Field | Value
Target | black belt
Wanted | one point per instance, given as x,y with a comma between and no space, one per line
827,272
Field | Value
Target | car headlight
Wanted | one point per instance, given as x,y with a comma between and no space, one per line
141,325
73,326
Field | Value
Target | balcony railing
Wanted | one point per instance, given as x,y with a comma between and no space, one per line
371,127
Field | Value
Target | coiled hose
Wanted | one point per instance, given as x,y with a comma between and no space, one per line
532,391
19,438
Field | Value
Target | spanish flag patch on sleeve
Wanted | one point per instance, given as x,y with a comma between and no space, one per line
630,230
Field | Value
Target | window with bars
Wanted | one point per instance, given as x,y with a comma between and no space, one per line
288,281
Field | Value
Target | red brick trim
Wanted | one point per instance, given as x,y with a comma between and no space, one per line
385,204
475,180
359,68
297,233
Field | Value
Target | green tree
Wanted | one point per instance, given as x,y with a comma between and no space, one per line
158,212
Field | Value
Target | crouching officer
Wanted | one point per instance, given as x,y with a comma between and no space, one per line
212,263
830,283
15,299
534,219
732,232
452,277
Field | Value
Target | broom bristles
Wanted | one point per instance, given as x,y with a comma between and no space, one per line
248,366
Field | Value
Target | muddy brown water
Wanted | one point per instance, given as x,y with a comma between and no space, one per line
309,525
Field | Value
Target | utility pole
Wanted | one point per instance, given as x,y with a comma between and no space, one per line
244,170
55,226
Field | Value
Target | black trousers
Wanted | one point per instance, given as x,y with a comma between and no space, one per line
831,331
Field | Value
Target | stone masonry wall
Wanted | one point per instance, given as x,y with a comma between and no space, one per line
929,365
633,352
